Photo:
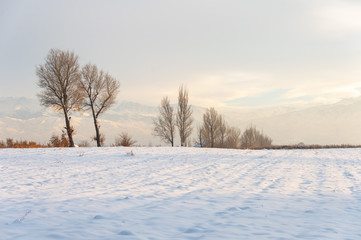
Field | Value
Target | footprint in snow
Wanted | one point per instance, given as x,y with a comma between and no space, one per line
122,199
125,233
244,208
232,209
191,230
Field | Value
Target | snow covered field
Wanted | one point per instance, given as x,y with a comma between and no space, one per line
179,193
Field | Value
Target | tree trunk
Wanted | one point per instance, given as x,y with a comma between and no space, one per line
69,130
182,140
172,140
97,133
212,137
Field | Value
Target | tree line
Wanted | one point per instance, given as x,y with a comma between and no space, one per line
214,132
66,87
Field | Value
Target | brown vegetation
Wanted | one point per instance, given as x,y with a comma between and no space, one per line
58,141
10,143
313,146
124,140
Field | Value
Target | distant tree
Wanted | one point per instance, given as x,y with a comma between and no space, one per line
221,138
184,116
200,141
233,139
211,127
164,124
100,90
125,140
58,79
252,138
9,143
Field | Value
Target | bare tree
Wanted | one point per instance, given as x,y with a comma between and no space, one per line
184,116
58,78
210,128
101,90
252,138
200,141
124,140
233,139
221,137
164,124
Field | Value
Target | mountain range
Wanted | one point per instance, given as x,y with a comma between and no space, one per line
338,123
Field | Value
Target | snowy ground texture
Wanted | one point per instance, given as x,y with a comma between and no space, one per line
180,193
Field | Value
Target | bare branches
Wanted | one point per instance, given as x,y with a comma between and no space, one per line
215,132
58,79
233,139
66,88
101,90
108,94
164,124
221,138
211,127
184,116
252,138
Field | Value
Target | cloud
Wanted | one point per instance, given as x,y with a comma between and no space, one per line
273,97
14,131
339,17
245,89
218,89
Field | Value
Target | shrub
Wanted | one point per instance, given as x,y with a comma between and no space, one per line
124,140
59,141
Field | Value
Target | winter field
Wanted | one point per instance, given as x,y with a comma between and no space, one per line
180,193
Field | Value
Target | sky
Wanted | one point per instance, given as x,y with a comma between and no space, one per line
228,53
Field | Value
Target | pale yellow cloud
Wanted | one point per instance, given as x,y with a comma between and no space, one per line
214,90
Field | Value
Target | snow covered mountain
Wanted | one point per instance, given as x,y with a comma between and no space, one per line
24,118
338,123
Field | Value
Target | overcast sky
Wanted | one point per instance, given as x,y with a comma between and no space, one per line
228,53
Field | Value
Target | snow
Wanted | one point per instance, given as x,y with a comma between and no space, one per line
179,193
